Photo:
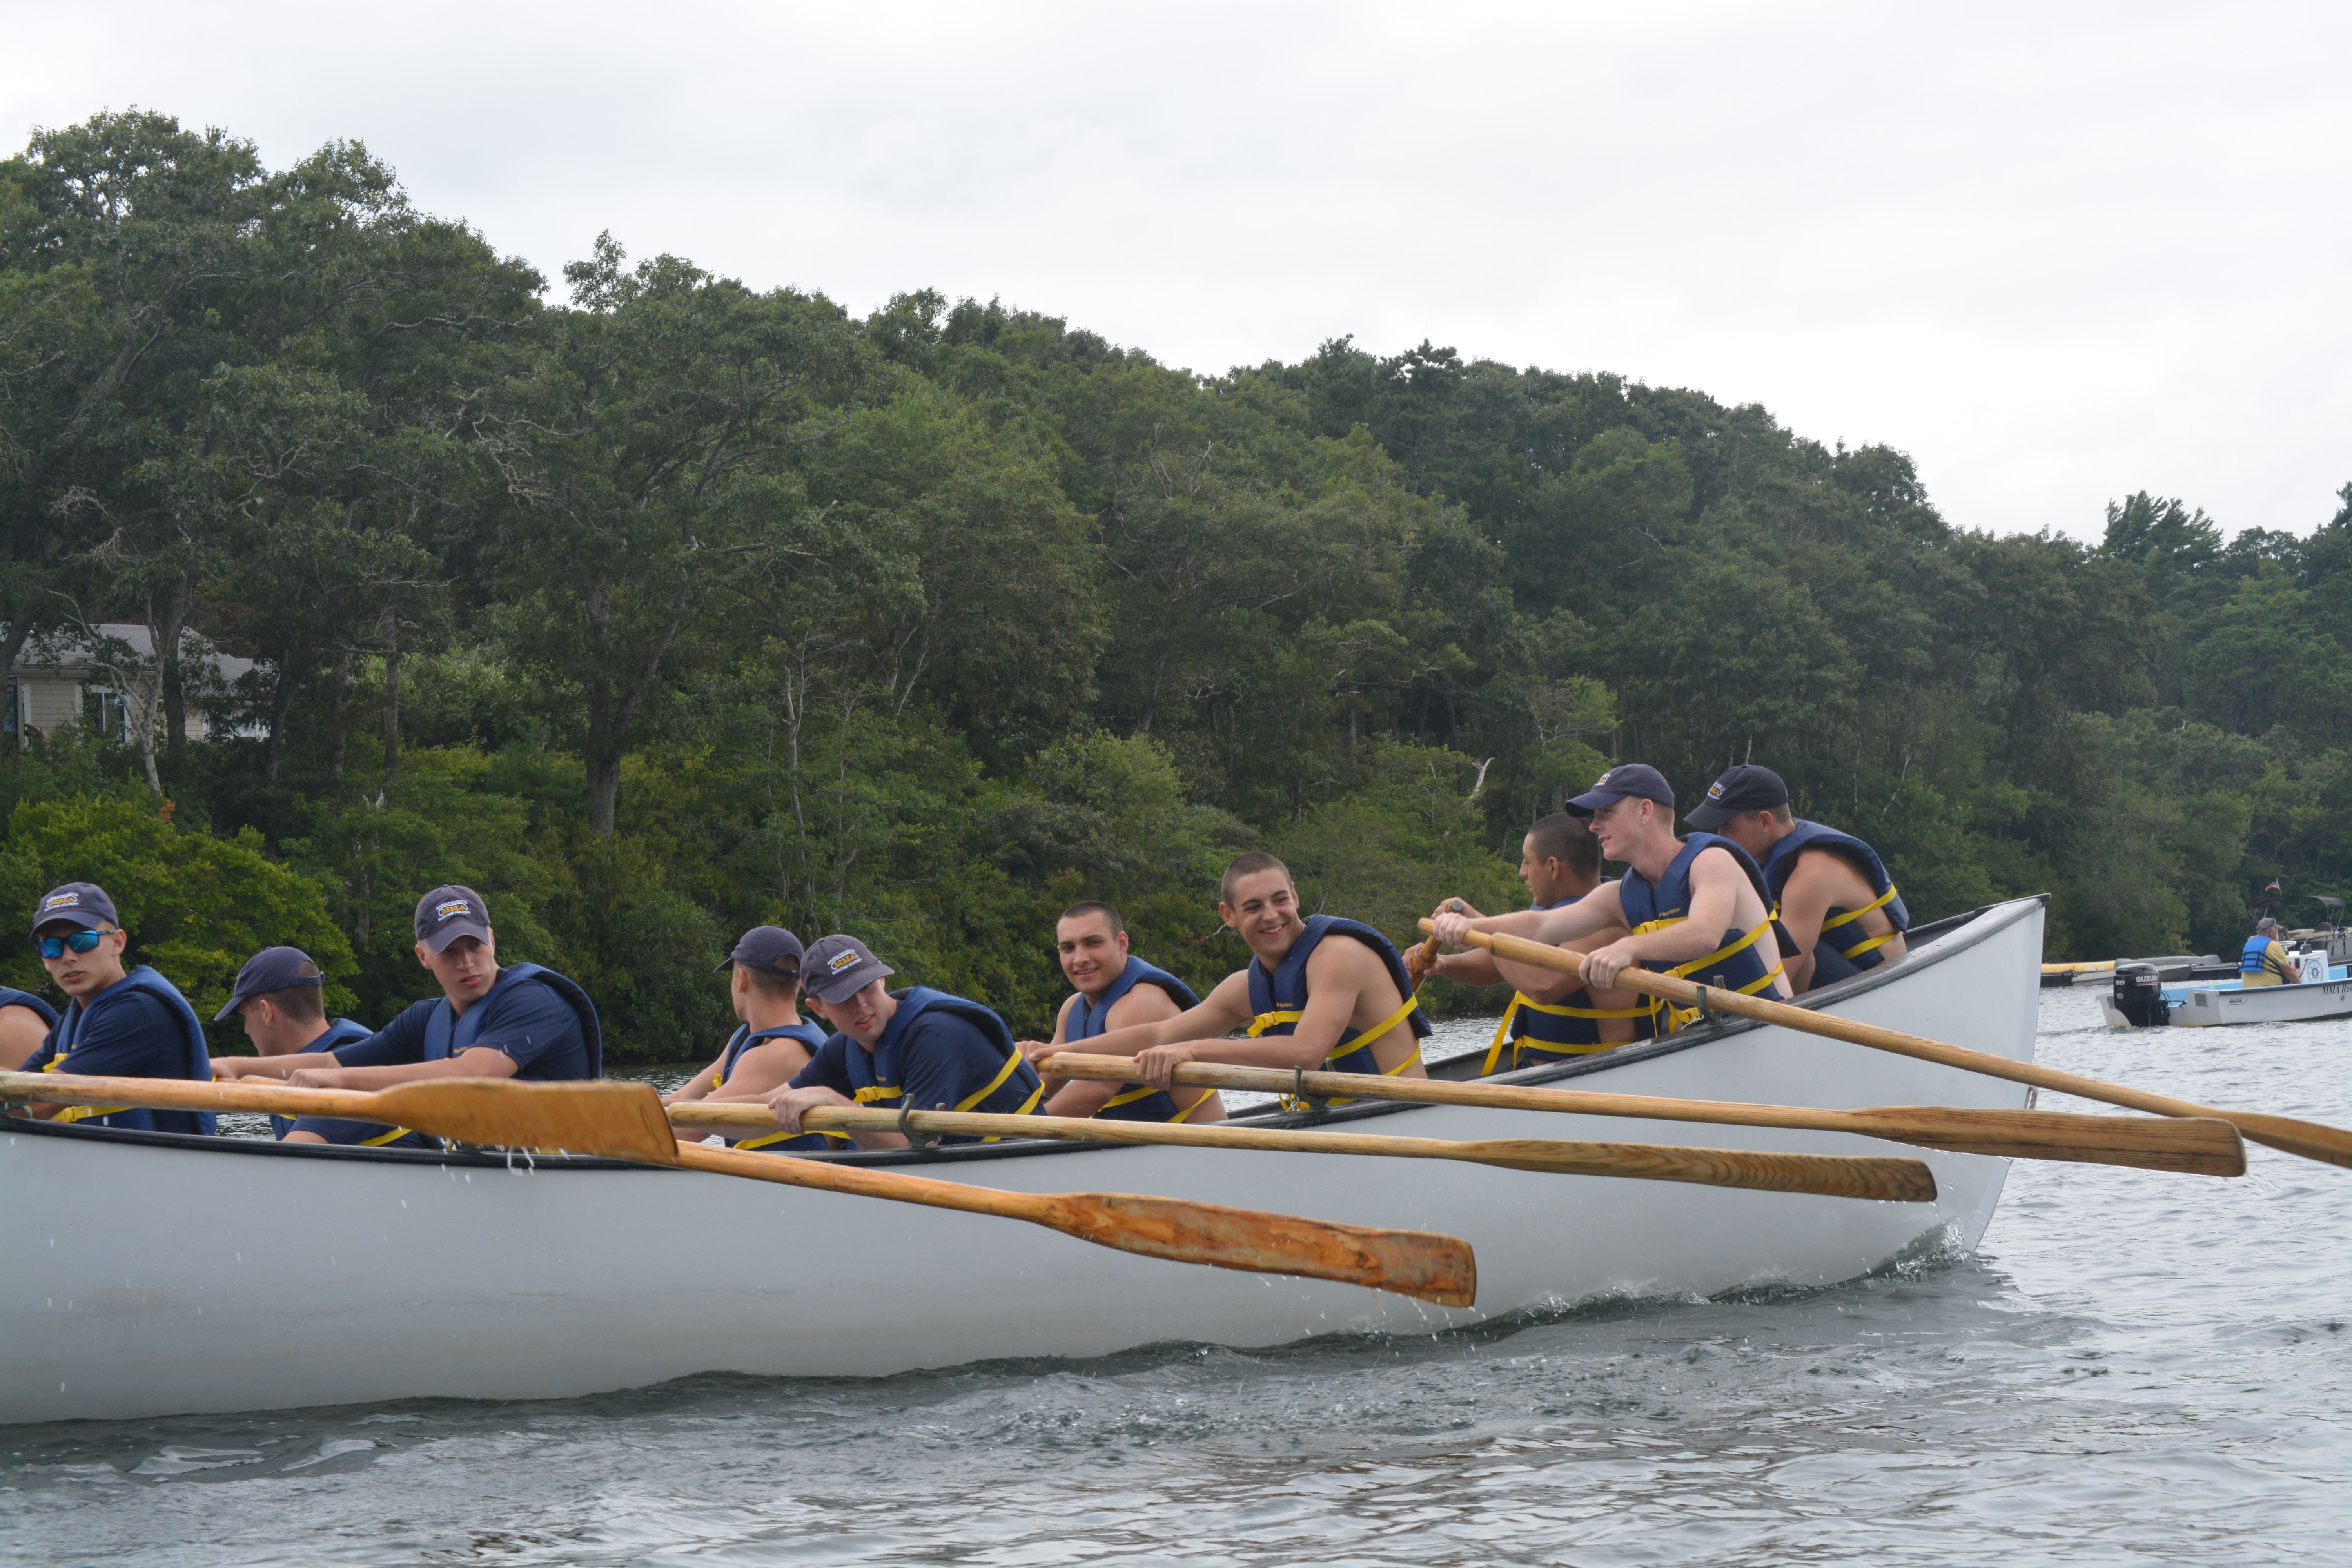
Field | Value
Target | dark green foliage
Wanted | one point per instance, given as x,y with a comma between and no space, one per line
682,606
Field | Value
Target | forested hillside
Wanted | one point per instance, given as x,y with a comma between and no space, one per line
659,606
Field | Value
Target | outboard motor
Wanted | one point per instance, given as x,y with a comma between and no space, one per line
2140,995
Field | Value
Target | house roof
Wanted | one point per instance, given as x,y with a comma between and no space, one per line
69,654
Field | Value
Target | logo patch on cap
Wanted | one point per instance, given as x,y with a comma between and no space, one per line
1602,779
454,907
60,900
1715,790
839,961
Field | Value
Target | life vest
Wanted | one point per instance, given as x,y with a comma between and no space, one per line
42,1010
876,1078
1568,1027
2254,962
1278,999
446,1035
743,1039
342,1130
1736,965
1834,955
1135,1101
194,1061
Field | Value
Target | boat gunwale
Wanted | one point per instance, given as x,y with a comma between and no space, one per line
1875,978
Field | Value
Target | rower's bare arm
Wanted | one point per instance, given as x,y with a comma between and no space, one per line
1597,911
763,1070
1552,984
697,1087
1084,1097
477,1061
1226,1009
1034,1049
1472,966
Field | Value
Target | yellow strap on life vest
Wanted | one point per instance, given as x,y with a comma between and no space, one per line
1376,1031
874,1092
1265,1021
1132,1095
1550,1047
1683,970
386,1138
991,1087
1879,902
79,1112
781,1137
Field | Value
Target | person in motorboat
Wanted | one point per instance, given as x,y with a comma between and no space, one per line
119,1022
2265,960
1306,1002
1698,907
1114,989
1550,1014
916,1049
1830,890
521,1021
25,1022
280,997
770,1042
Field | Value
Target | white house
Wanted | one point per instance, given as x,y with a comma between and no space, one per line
58,679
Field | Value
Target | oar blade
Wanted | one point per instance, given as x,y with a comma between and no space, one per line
2191,1145
1886,1179
1420,1264
2312,1140
621,1120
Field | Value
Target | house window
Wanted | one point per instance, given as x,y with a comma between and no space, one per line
9,717
108,716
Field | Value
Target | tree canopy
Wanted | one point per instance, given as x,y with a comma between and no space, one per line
674,606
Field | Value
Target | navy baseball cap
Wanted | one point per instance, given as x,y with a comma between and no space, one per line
82,904
1747,788
836,968
769,949
448,912
1635,779
271,969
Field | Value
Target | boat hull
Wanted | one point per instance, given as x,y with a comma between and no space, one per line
174,1282
2227,1001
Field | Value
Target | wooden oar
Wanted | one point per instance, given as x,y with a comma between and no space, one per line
1417,1263
624,1120
1893,1180
2199,1146
2312,1140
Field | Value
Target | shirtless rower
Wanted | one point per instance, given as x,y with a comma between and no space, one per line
1696,907
1829,890
1307,1000
1114,989
770,1042
1551,1015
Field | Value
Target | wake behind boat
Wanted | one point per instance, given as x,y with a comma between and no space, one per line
475,1274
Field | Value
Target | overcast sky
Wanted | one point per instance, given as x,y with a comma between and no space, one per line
2057,253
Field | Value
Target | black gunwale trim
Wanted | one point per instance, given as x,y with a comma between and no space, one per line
1935,933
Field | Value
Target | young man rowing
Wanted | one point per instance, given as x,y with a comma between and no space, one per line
1115,990
1830,890
771,1044
1696,907
521,1021
1551,1015
1307,1001
918,1049
119,1022
280,995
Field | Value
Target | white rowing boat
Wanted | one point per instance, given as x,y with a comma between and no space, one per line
190,1274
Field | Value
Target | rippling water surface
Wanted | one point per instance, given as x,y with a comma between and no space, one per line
2136,1368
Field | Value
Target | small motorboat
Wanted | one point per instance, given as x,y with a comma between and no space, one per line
2145,997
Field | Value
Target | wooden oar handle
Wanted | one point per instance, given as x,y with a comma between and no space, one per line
2312,1140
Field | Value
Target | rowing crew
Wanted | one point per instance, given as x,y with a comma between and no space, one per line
1768,903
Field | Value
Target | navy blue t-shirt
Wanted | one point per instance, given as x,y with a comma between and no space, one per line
929,1058
129,1031
341,1129
527,1020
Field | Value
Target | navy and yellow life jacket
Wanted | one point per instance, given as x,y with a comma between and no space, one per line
876,1078
1737,966
1279,998
1839,952
193,1060
446,1035
340,1130
1568,1027
744,1037
26,999
1135,1101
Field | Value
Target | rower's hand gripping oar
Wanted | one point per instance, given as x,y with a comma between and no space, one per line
2199,1146
2312,1140
626,1121
1887,1180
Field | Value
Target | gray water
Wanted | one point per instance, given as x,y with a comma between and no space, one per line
2134,1368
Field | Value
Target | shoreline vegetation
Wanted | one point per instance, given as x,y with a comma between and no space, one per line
655,607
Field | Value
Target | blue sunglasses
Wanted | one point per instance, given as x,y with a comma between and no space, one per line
80,941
